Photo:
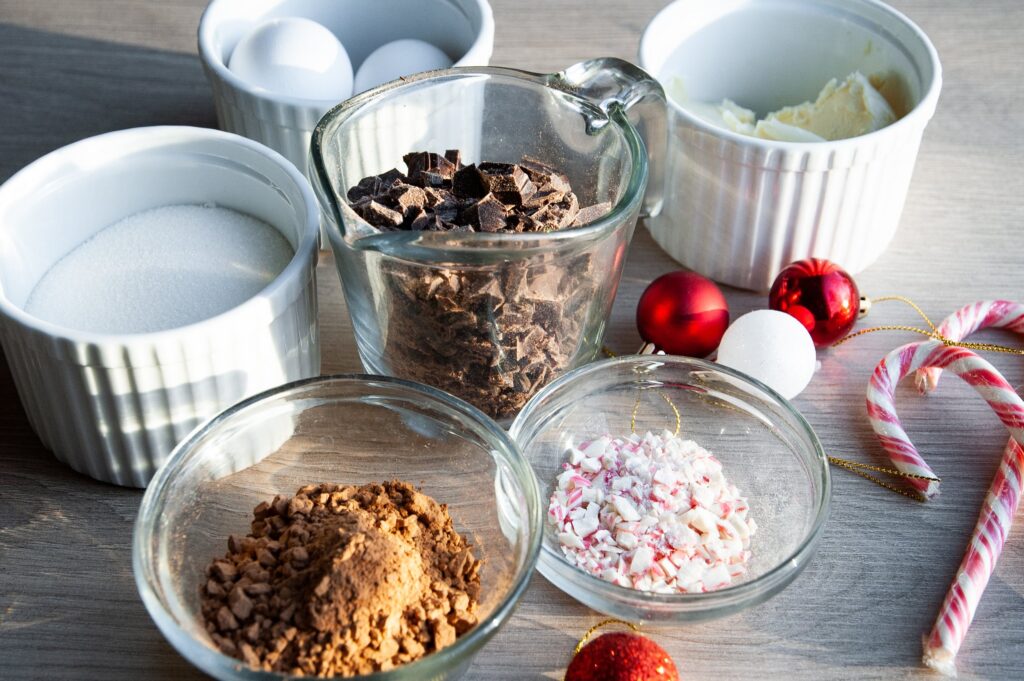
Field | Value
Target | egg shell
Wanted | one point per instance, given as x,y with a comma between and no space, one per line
294,57
399,58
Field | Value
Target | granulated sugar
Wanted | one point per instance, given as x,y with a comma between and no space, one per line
160,269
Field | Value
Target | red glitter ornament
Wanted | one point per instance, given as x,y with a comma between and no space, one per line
822,297
682,313
621,656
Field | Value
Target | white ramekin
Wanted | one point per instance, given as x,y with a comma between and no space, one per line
114,406
459,27
739,209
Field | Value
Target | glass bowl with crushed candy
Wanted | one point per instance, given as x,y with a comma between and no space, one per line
342,527
674,489
480,219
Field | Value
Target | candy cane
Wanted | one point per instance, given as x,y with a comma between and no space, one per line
941,646
1004,493
1002,314
1001,503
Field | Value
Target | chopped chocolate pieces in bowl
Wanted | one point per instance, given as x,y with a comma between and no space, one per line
439,193
491,334
342,581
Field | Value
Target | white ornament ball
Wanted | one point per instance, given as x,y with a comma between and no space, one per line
399,58
773,347
294,57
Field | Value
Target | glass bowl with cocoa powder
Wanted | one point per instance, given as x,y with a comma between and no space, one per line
347,526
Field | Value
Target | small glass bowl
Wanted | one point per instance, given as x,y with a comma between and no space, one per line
344,429
766,448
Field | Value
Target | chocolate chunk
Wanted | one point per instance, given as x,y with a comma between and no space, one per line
522,223
525,193
487,214
388,180
417,162
543,197
412,215
431,179
378,214
469,183
555,216
588,214
407,197
366,187
428,169
545,176
507,181
427,222
454,156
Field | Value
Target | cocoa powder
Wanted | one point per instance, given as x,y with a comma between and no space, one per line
341,580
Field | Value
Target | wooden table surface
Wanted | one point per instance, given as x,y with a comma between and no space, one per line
68,605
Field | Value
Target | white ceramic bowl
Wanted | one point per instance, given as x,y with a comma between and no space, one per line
114,406
464,29
738,209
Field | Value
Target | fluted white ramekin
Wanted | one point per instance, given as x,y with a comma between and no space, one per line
114,406
464,29
739,209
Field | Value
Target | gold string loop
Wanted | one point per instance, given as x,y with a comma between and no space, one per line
604,623
861,469
668,400
639,398
933,333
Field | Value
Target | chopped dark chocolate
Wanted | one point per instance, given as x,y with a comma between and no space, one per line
469,183
378,214
544,175
408,196
454,157
486,215
491,336
555,216
429,169
590,213
507,182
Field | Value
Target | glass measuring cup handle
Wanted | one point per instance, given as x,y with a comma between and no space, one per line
616,83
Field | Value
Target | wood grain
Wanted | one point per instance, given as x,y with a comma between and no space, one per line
68,606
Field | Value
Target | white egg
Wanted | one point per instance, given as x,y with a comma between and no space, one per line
294,57
773,347
399,58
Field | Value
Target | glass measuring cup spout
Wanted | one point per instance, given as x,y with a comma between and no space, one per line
616,83
491,317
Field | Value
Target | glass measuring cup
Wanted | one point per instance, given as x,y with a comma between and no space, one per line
491,317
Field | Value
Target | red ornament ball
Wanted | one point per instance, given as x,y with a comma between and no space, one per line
621,656
682,313
822,297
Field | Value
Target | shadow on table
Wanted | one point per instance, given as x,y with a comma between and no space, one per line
56,89
68,604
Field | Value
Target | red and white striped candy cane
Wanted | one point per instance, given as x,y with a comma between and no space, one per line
941,646
1003,495
1001,314
1001,503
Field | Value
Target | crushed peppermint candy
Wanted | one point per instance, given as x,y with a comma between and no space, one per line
652,512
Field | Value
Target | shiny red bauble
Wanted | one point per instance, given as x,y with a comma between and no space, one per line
622,657
822,297
682,313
